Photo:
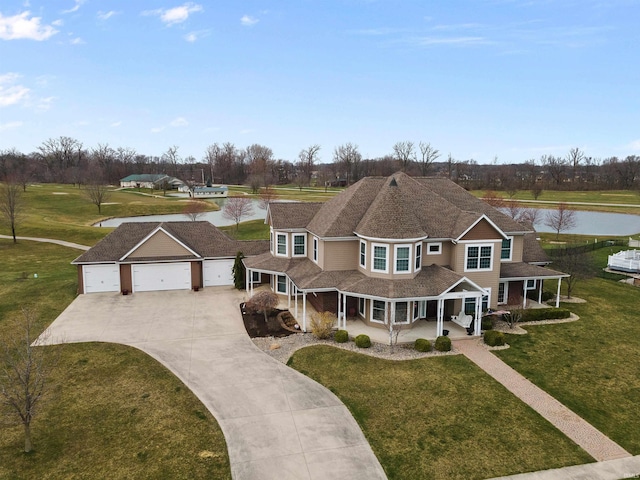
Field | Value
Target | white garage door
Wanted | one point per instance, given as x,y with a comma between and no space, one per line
217,272
152,277
101,278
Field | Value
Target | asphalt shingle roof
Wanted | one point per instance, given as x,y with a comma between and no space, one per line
526,270
286,215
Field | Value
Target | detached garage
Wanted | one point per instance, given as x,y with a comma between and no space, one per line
155,256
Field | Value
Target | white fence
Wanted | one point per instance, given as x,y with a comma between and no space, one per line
628,261
634,243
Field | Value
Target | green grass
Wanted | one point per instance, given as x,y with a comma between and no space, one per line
251,230
439,417
589,365
116,412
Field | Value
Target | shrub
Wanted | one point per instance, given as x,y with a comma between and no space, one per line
341,336
493,338
537,314
422,345
363,341
322,324
487,322
443,344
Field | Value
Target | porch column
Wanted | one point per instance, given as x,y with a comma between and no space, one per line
248,285
344,310
440,317
288,292
524,294
558,294
339,307
393,312
304,311
296,298
540,291
478,320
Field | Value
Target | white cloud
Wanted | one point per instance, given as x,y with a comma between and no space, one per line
635,145
116,124
57,23
196,35
248,21
45,103
157,129
11,94
179,122
77,41
76,7
175,15
22,27
9,125
107,15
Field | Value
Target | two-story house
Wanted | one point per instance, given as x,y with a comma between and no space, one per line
400,249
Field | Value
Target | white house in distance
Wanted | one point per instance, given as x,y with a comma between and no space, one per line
149,180
214,191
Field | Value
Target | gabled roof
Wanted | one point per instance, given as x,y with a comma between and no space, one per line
144,177
204,239
286,215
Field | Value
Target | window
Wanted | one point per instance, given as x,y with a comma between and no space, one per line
315,249
434,248
505,252
361,303
378,311
479,257
379,263
418,264
299,244
502,292
403,259
531,283
282,244
402,313
281,286
363,254
256,277
470,305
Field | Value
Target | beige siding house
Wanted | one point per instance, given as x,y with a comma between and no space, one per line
402,250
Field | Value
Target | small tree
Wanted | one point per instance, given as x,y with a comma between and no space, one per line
322,324
264,302
576,264
536,190
267,195
239,272
25,371
194,210
513,317
493,199
97,193
236,208
11,204
393,328
561,219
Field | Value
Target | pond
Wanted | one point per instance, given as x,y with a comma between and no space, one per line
215,218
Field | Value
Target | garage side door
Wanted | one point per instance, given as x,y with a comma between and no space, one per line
217,272
153,277
101,278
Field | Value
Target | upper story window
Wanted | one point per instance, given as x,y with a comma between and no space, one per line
363,254
315,249
281,240
403,259
379,256
299,244
418,263
478,257
434,248
505,252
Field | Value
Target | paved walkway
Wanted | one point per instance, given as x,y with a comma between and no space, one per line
49,240
278,423
594,442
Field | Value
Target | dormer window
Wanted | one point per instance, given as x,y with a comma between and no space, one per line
418,263
403,259
363,254
281,244
379,258
299,244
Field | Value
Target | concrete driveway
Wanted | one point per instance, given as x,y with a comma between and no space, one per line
278,424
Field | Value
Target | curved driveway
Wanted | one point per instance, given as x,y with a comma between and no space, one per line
278,424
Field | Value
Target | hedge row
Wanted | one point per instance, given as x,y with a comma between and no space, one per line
537,314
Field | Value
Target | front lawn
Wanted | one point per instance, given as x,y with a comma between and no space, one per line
439,417
116,412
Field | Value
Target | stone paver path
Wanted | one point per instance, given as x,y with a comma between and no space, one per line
594,442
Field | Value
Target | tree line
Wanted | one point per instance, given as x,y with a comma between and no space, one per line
68,160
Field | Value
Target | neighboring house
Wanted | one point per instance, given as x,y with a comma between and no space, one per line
150,180
401,249
151,256
215,191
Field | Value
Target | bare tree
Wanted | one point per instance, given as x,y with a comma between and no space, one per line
428,156
393,328
574,157
536,190
96,191
260,159
194,210
556,167
494,199
307,158
236,208
530,215
264,302
513,209
60,154
267,195
561,219
513,317
404,153
11,204
172,158
577,265
349,156
25,373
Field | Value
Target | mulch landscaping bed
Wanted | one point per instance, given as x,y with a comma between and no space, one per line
274,327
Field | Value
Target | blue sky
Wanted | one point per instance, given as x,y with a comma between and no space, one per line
478,79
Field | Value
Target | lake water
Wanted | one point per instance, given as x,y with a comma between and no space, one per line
587,223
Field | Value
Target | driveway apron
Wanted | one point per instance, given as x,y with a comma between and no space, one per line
278,423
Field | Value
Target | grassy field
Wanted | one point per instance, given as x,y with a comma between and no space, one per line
251,230
116,412
439,417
